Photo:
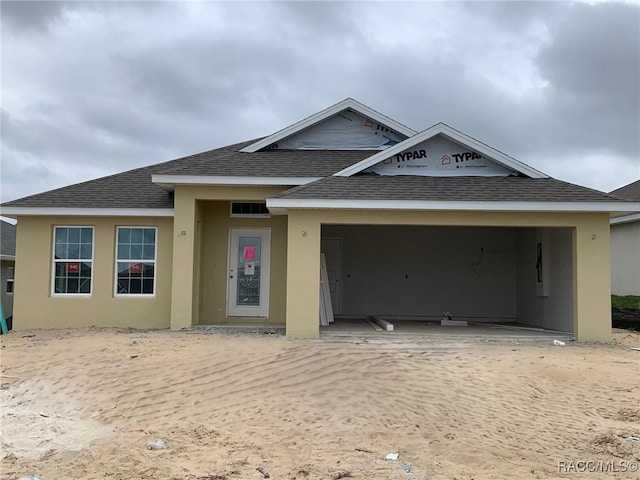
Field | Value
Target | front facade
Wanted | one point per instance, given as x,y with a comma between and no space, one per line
625,246
407,224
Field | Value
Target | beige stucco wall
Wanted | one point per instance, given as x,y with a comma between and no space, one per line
591,258
192,259
195,221
216,223
36,307
625,258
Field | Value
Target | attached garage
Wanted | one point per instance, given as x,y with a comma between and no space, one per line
479,274
519,260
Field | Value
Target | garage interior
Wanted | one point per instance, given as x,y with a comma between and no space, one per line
518,277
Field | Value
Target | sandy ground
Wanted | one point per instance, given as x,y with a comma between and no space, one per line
85,403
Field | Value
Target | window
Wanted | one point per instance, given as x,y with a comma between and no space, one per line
73,260
10,277
135,260
246,209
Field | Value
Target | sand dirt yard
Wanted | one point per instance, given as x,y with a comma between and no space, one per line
85,403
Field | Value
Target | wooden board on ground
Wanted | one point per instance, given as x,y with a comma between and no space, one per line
388,326
326,309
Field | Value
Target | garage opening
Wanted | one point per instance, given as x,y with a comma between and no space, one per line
492,275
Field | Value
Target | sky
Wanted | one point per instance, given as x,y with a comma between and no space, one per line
94,88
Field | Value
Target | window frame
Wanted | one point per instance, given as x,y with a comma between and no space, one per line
131,260
11,276
55,261
248,215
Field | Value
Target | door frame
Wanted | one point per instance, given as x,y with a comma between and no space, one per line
262,310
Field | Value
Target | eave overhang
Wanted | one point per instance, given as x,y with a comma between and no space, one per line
168,182
13,212
629,218
280,206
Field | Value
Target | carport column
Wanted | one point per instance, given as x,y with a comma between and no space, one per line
184,237
303,274
592,279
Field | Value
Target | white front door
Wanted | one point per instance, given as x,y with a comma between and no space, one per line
248,279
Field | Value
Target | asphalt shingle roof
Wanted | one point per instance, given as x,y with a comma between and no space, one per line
629,192
403,187
133,189
228,161
7,238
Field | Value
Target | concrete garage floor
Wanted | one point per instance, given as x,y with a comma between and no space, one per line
349,327
412,331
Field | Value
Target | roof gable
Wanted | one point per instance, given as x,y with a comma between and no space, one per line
442,151
347,125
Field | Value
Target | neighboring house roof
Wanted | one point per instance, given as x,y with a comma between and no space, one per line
436,193
7,241
628,192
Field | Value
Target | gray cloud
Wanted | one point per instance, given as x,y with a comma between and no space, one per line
29,16
593,70
115,85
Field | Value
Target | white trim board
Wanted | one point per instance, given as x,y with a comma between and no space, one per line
634,217
87,212
278,205
347,103
169,181
451,134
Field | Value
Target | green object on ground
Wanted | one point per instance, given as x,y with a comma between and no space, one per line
3,321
